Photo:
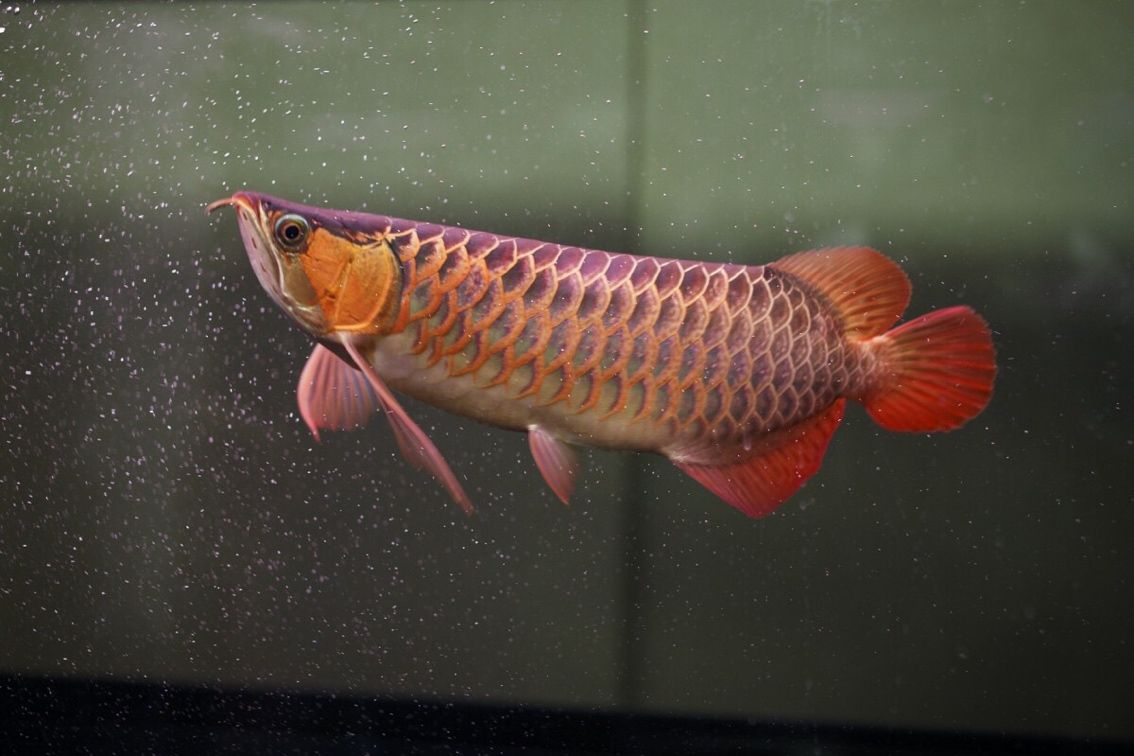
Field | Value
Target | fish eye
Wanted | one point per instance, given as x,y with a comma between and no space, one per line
292,231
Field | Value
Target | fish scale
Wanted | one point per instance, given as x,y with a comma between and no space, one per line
738,374
687,354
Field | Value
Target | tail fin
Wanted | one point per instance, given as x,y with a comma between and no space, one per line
935,372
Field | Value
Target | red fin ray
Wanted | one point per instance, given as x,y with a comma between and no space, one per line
868,289
333,395
779,466
557,462
414,444
935,372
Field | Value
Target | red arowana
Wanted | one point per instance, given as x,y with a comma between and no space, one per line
738,374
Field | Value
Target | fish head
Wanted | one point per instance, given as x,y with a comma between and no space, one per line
328,274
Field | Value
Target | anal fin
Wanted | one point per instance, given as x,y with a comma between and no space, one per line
776,467
557,462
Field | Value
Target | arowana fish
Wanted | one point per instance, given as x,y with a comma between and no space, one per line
738,374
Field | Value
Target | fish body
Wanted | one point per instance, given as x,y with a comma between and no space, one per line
738,374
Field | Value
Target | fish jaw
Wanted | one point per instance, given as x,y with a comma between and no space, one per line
278,272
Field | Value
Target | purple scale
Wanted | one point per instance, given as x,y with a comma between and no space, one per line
453,265
504,324
665,353
421,297
529,336
717,288
739,335
560,340
438,318
589,342
527,246
619,307
542,287
427,231
693,325
641,349
717,328
781,343
619,268
740,404
803,379
819,353
788,404
668,278
569,260
517,278
800,349
713,402
544,254
612,350
480,244
739,370
807,405
568,295
645,311
455,237
471,289
596,297
761,369
644,273
761,340
761,299
781,376
739,291
482,310
594,264
693,283
780,311
716,361
429,256
765,404
669,317
800,320
688,362
500,259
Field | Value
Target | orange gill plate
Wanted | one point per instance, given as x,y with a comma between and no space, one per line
737,374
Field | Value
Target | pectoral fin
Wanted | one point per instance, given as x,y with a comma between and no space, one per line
557,462
414,444
758,482
332,394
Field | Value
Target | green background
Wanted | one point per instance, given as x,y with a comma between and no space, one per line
165,515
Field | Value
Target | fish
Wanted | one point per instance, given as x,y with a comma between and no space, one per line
738,374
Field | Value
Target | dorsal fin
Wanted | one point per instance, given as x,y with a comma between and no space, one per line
868,289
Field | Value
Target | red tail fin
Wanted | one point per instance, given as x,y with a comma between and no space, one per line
935,372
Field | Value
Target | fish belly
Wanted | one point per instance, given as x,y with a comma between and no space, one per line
512,403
